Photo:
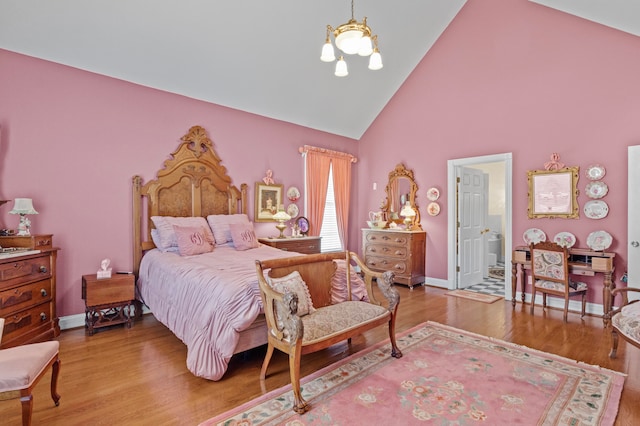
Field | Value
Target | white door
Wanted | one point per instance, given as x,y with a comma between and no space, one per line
472,219
633,225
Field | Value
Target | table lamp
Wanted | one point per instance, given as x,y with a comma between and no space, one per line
408,213
23,207
281,216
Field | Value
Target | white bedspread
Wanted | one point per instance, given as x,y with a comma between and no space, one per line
206,300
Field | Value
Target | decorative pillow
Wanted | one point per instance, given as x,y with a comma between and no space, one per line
193,240
166,233
219,224
244,237
294,284
155,237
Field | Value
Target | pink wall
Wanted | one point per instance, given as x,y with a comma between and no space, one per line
506,76
72,141
513,76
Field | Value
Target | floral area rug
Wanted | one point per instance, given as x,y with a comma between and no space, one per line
446,376
496,273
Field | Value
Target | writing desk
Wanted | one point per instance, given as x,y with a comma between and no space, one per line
582,261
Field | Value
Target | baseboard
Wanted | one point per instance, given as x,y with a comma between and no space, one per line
436,282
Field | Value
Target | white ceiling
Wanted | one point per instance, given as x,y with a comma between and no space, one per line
252,55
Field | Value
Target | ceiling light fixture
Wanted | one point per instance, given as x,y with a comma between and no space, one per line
351,38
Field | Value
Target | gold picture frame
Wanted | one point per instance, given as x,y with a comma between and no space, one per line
553,193
268,199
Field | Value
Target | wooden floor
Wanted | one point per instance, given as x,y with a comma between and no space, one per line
139,377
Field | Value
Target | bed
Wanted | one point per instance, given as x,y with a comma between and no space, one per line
210,301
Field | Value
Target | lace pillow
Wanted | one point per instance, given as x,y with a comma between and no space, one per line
294,284
192,240
219,224
166,233
244,237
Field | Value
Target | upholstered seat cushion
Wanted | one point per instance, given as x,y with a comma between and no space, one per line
334,319
21,365
627,321
552,285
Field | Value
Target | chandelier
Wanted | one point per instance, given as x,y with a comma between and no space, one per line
351,38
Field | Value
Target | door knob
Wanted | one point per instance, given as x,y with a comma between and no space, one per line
635,244
484,231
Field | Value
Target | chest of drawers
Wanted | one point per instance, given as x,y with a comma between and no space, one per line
402,252
306,245
28,298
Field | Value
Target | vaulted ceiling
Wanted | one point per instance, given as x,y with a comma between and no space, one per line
257,56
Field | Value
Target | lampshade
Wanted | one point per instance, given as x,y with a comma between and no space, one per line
281,216
407,211
351,38
23,206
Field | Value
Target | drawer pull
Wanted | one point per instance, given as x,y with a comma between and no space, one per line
43,269
43,316
43,292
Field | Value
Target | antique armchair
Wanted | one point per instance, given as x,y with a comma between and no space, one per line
550,275
22,367
625,320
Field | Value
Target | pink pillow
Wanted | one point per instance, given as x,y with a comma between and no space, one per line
192,240
166,235
243,236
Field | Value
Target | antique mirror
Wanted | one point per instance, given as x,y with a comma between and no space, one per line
401,188
553,193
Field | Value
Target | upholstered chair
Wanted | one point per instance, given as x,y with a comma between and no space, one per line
550,275
625,320
22,367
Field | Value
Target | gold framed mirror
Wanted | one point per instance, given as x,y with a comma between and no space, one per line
553,193
401,188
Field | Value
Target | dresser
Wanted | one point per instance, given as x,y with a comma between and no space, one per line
28,290
402,252
306,245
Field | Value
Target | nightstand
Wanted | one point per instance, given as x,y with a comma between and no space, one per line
306,245
108,300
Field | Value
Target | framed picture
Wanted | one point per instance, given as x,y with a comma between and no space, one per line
268,199
553,193
303,225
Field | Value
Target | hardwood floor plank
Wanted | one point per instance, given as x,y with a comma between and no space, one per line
138,376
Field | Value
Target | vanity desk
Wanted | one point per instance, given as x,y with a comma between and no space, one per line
585,262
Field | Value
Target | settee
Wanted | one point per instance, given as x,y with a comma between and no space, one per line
301,316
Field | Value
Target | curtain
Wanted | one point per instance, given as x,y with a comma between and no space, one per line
342,190
318,165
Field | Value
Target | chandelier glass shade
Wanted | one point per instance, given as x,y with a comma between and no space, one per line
351,38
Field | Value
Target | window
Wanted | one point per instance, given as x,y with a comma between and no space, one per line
329,231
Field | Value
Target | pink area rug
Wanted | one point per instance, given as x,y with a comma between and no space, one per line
472,295
446,376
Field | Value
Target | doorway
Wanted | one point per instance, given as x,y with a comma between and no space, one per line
479,202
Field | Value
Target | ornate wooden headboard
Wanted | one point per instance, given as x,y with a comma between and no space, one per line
191,183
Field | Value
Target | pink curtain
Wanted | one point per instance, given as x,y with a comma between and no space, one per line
318,165
342,190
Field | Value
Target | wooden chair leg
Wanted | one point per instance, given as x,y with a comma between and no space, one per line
27,409
55,371
395,351
584,304
300,406
267,359
614,343
566,309
533,298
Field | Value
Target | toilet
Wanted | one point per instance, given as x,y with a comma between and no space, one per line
494,248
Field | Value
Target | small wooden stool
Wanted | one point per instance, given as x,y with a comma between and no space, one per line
22,367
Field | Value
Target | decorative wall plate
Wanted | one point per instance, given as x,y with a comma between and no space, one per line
433,209
596,209
565,239
599,240
433,194
595,172
533,236
293,194
303,225
292,210
596,189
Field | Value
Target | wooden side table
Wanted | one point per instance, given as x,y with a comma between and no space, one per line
107,300
306,245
